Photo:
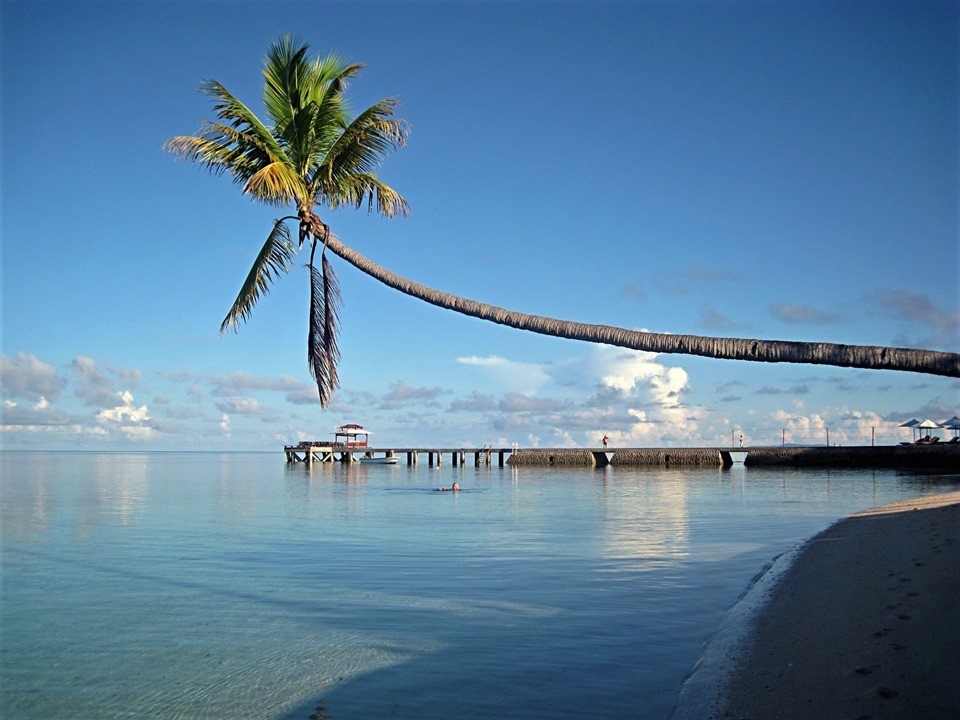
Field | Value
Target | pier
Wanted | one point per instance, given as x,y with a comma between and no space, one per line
944,456
326,452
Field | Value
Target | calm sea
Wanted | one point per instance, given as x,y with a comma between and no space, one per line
236,586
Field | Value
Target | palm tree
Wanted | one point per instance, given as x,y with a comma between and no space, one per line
314,154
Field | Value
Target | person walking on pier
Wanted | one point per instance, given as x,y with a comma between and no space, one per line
604,441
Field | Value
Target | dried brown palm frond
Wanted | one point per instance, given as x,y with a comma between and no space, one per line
323,355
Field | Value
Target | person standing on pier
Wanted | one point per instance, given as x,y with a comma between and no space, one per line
604,441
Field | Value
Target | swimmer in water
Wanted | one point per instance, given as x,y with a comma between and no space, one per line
455,488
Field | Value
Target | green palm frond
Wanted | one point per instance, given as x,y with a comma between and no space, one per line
291,82
359,188
323,354
222,149
234,113
275,257
360,148
305,100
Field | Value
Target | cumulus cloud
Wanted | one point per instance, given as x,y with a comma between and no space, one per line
510,375
517,402
802,314
713,320
92,386
942,326
131,421
843,426
125,412
128,377
695,277
401,394
27,377
793,390
307,395
624,369
15,415
241,406
475,402
633,398
243,382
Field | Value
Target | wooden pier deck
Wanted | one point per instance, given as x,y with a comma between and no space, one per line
328,453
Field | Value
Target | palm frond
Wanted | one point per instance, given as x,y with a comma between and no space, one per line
361,147
277,183
242,147
357,188
275,257
222,149
291,82
304,99
323,354
234,113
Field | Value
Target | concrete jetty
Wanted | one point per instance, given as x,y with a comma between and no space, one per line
944,456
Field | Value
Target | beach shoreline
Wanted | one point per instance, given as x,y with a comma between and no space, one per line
858,622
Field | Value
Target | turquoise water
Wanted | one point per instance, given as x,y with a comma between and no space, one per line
237,586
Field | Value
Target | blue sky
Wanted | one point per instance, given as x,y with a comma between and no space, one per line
750,169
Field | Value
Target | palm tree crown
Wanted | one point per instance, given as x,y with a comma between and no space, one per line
311,153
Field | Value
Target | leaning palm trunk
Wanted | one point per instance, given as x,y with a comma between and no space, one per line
861,356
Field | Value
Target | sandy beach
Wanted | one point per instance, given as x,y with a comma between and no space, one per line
864,625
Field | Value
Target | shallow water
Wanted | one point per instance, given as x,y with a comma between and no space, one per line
235,586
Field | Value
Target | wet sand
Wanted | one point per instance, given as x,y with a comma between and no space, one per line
864,625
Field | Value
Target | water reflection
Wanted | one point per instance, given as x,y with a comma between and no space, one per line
121,487
646,519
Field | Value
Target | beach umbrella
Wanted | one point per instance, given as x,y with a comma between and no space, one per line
912,424
952,424
927,424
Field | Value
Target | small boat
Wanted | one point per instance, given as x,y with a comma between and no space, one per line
378,460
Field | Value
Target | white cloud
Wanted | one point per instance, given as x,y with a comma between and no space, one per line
917,309
125,412
93,387
241,406
402,394
510,375
240,382
131,421
25,376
